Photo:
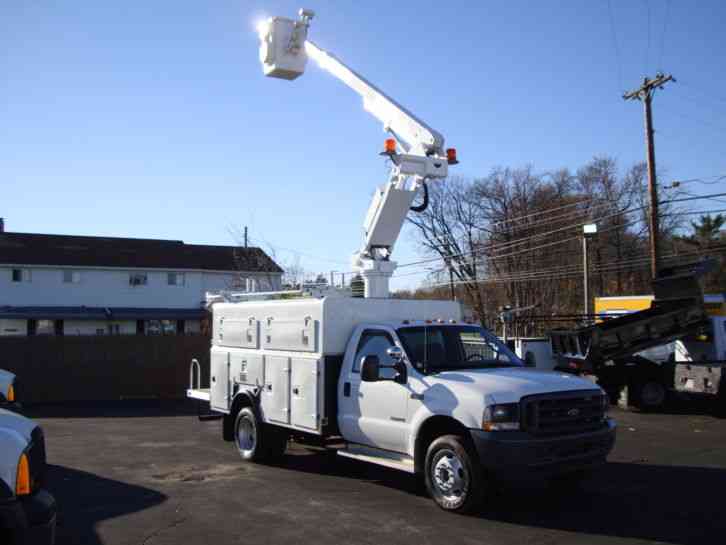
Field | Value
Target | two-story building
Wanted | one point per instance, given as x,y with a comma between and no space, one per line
84,285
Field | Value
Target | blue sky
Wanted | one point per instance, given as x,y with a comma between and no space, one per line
152,119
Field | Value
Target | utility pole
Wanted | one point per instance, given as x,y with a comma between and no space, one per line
645,94
588,231
449,266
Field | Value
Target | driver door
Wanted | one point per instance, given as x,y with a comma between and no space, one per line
373,413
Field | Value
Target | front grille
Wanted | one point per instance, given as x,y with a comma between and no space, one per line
562,413
36,458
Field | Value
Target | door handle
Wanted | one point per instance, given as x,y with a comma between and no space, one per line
346,389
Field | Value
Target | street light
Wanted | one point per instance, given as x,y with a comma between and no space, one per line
589,231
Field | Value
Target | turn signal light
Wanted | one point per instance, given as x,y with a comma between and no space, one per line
451,156
11,394
22,480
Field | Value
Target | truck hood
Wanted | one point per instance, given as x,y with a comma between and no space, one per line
510,384
13,422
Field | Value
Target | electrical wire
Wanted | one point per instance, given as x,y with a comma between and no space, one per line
647,47
615,45
548,245
663,35
719,178
498,280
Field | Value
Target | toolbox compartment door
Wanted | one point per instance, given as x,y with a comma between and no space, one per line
304,393
276,393
219,380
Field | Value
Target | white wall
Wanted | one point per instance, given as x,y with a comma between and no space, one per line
110,288
13,327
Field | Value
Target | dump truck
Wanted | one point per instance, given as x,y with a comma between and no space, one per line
670,342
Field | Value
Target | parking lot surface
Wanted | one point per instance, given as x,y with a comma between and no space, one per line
156,475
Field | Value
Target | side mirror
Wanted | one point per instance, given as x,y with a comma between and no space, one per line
370,369
395,353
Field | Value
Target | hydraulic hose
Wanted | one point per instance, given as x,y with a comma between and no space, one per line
424,205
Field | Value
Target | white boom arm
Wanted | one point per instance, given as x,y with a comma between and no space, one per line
283,52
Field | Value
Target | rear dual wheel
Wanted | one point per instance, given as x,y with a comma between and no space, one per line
256,441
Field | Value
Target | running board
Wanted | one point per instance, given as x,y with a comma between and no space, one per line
380,457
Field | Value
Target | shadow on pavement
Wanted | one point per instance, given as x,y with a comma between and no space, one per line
113,409
672,504
85,499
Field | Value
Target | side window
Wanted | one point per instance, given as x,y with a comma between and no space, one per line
373,342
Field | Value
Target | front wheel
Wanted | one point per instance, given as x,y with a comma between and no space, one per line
454,477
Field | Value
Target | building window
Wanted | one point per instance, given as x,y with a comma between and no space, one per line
161,327
21,275
138,279
45,327
71,277
175,279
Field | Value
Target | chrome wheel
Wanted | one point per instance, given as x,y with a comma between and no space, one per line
246,436
450,477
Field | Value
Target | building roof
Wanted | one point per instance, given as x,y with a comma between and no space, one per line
83,251
101,313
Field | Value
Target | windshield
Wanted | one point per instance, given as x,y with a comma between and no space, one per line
442,348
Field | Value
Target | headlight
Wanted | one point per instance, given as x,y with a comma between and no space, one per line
22,478
501,417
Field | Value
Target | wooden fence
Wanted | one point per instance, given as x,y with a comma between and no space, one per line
78,368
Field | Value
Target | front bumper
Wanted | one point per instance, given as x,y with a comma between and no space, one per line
517,454
30,519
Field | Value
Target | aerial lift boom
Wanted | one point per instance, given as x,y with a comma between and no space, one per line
284,49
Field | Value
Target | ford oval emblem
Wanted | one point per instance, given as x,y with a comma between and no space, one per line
573,412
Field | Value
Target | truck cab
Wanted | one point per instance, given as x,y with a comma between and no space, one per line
403,384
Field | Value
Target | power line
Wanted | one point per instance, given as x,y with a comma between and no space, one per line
663,35
539,213
509,244
718,178
574,273
647,47
615,45
698,91
698,212
694,198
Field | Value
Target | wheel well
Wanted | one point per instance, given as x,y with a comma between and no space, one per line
241,400
434,427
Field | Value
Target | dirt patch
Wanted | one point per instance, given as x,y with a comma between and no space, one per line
199,473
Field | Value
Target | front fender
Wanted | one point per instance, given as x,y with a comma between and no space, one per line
465,410
12,445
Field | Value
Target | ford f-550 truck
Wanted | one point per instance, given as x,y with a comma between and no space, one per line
403,384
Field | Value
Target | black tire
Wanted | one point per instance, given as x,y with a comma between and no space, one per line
648,395
256,441
454,478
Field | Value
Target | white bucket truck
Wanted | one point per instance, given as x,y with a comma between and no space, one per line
401,383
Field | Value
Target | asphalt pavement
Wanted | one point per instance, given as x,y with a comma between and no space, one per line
140,474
